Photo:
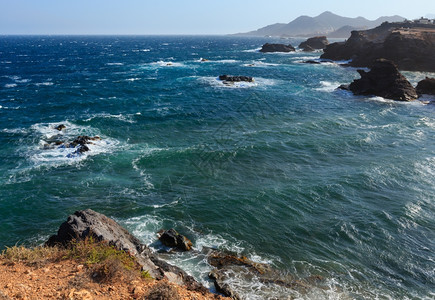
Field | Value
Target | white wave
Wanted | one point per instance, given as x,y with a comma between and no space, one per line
215,82
141,50
42,154
129,118
252,50
328,86
132,79
23,80
115,64
163,64
47,83
260,64
10,85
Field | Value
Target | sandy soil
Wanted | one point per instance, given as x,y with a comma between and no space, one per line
68,280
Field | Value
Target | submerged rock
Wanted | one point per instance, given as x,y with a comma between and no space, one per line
426,86
384,80
277,48
228,78
172,238
88,223
314,43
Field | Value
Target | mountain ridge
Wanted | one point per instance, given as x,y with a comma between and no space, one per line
327,23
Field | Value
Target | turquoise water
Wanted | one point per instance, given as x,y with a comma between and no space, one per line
285,170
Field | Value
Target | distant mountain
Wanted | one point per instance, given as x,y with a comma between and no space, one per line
324,24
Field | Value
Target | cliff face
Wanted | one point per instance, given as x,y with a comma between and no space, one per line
409,46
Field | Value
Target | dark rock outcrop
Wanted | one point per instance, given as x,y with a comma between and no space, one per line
313,62
314,43
172,238
228,78
277,48
60,127
426,86
384,80
88,223
410,46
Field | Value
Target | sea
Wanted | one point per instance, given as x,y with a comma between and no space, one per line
285,170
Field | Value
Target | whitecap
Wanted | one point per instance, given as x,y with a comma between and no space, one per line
132,79
10,85
328,86
47,83
252,50
215,82
128,118
164,64
260,64
115,64
43,154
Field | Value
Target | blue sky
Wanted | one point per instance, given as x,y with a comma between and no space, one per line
182,16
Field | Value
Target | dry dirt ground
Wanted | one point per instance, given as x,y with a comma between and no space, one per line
67,279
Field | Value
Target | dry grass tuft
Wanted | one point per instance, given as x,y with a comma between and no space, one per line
33,256
162,291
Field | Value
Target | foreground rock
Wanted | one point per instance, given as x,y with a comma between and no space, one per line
426,86
231,79
314,43
88,223
172,238
231,273
383,80
267,48
410,46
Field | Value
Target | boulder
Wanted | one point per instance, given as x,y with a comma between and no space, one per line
88,223
277,48
426,86
314,43
384,80
172,238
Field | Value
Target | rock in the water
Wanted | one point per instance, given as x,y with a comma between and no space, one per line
426,86
384,80
277,48
317,42
313,62
60,127
83,140
221,285
229,78
172,238
88,223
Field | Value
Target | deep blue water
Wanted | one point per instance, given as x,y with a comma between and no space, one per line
287,170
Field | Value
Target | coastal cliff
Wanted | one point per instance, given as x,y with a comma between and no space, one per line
410,46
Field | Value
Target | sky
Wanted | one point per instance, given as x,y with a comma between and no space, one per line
183,16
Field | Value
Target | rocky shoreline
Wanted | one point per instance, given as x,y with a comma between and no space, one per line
87,223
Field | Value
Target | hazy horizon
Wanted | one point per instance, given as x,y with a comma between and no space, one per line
135,17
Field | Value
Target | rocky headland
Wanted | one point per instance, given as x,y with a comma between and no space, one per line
410,46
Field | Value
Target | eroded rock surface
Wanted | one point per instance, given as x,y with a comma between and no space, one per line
384,80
